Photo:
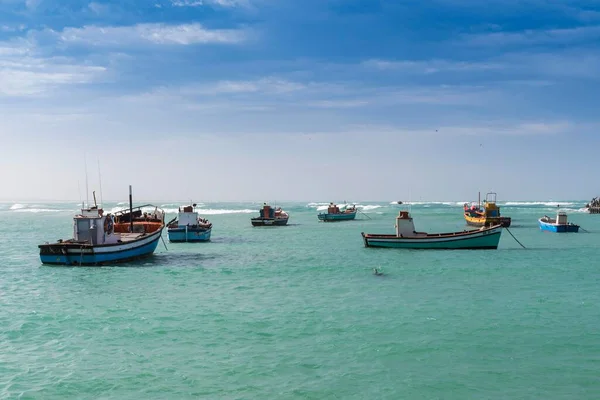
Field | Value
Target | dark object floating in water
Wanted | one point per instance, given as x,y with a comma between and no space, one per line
377,272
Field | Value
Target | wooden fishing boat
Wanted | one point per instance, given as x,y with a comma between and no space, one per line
489,215
334,213
270,217
189,227
558,224
104,238
407,238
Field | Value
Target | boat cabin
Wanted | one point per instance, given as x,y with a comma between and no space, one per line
404,224
333,209
187,217
92,226
267,211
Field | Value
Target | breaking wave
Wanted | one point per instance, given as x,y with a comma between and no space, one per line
539,203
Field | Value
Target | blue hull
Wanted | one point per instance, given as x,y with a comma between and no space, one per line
91,258
556,228
192,235
336,217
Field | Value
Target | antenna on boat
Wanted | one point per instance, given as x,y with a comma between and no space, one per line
130,210
79,190
100,182
87,193
94,194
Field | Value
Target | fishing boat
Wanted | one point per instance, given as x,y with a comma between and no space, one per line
489,215
100,238
270,216
189,227
593,207
558,224
335,214
407,238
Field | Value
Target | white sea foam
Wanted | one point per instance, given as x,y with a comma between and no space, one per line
37,210
367,207
17,206
538,203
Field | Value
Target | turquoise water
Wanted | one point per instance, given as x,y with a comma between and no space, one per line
296,312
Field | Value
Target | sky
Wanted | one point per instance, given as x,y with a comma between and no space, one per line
252,100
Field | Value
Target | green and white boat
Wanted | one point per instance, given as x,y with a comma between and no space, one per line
407,238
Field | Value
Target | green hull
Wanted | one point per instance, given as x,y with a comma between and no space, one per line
336,217
487,239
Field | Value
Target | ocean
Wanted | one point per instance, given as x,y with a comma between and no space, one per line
296,312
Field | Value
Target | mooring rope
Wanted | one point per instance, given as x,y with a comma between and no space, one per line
517,240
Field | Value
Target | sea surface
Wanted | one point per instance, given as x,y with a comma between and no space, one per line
296,312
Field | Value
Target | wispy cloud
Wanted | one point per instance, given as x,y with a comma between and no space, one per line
533,37
24,72
161,34
431,66
187,3
220,3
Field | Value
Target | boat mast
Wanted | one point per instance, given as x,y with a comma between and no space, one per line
100,182
479,200
87,193
130,210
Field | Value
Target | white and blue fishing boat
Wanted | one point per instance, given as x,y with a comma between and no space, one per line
407,238
334,213
189,227
100,238
558,225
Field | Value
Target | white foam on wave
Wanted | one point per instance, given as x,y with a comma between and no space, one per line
37,210
538,203
317,205
367,207
433,203
17,206
210,211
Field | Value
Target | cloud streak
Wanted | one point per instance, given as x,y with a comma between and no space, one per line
155,33
23,72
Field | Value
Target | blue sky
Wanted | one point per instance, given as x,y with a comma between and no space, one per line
300,100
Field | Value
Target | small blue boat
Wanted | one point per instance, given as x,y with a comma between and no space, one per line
101,238
558,225
189,227
334,214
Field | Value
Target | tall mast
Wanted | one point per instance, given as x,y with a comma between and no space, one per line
130,210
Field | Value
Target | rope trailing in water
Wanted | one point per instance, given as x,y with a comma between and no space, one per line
586,231
364,214
515,238
163,240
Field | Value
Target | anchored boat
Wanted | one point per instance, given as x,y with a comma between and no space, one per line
489,215
100,238
558,225
407,238
189,227
335,214
270,217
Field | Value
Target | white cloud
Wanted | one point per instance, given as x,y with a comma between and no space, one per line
32,4
220,3
23,72
183,34
264,85
187,3
98,8
431,66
